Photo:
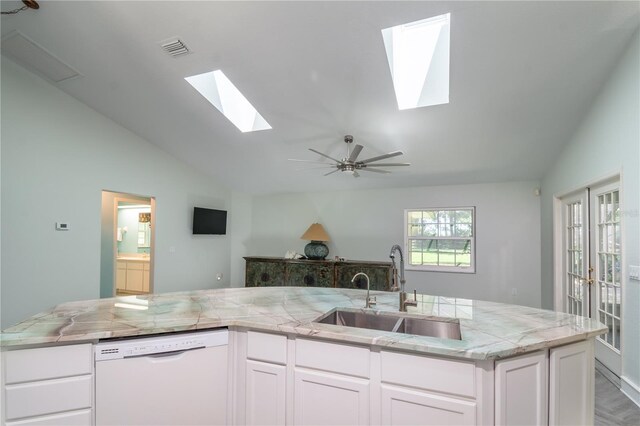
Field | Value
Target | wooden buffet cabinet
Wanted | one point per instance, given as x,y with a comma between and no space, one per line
264,271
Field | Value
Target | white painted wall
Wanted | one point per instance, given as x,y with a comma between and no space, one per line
363,225
57,157
607,142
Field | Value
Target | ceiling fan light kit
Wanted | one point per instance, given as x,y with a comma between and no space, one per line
350,163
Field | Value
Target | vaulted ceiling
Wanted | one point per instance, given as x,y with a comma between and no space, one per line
522,76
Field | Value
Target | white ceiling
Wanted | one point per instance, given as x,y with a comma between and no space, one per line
523,74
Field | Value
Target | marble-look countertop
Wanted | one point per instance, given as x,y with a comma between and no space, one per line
489,330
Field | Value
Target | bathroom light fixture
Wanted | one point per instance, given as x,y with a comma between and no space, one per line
316,249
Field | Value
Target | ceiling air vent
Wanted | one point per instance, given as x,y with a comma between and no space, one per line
175,47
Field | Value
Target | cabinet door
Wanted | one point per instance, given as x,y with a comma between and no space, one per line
330,399
265,393
145,281
404,406
521,390
70,418
571,384
134,279
310,274
379,276
264,274
121,275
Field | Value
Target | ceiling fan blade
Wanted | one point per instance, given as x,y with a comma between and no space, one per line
369,169
307,161
355,153
324,155
327,174
381,157
390,164
315,168
356,174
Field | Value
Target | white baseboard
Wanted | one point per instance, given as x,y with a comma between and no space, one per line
631,390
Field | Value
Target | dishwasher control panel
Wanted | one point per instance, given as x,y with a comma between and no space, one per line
160,344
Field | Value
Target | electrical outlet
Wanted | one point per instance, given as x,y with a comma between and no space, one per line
62,226
219,276
634,272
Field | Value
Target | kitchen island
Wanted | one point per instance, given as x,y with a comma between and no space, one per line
513,363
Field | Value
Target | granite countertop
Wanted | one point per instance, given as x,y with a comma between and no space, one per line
489,330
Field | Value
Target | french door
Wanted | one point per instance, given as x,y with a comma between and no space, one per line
592,270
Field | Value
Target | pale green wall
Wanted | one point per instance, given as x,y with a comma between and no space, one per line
57,157
364,224
129,218
607,142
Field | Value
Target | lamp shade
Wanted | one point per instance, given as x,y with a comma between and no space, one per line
315,233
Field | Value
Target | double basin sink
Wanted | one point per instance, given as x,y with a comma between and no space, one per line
443,328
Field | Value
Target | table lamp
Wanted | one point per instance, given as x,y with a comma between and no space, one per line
316,249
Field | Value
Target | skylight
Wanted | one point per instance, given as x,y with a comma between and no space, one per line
220,91
418,55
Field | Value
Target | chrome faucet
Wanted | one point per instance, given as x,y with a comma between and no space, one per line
370,300
404,302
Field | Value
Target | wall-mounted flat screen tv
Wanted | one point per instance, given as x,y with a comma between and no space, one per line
209,221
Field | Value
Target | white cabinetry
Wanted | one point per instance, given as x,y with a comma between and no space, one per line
571,380
406,406
331,384
323,398
145,277
521,390
265,393
431,391
47,386
266,379
121,275
132,276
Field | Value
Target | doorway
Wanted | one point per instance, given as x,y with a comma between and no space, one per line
128,240
589,263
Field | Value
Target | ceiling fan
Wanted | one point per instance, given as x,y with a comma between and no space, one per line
351,164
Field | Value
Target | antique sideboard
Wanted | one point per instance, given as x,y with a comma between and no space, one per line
262,271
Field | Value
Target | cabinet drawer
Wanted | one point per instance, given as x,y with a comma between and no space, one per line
145,266
439,375
135,266
47,363
51,396
73,418
337,358
267,347
121,264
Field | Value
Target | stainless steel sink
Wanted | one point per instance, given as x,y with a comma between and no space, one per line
397,323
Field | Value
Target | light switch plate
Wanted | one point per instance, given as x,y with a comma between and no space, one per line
634,272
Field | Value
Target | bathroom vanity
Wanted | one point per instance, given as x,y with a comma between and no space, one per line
289,363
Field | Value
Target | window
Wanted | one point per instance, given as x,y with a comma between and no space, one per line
440,239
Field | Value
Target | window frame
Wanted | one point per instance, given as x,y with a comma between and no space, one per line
439,268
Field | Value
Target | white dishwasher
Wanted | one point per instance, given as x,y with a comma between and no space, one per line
180,379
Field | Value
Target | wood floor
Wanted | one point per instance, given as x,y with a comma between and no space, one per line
613,408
